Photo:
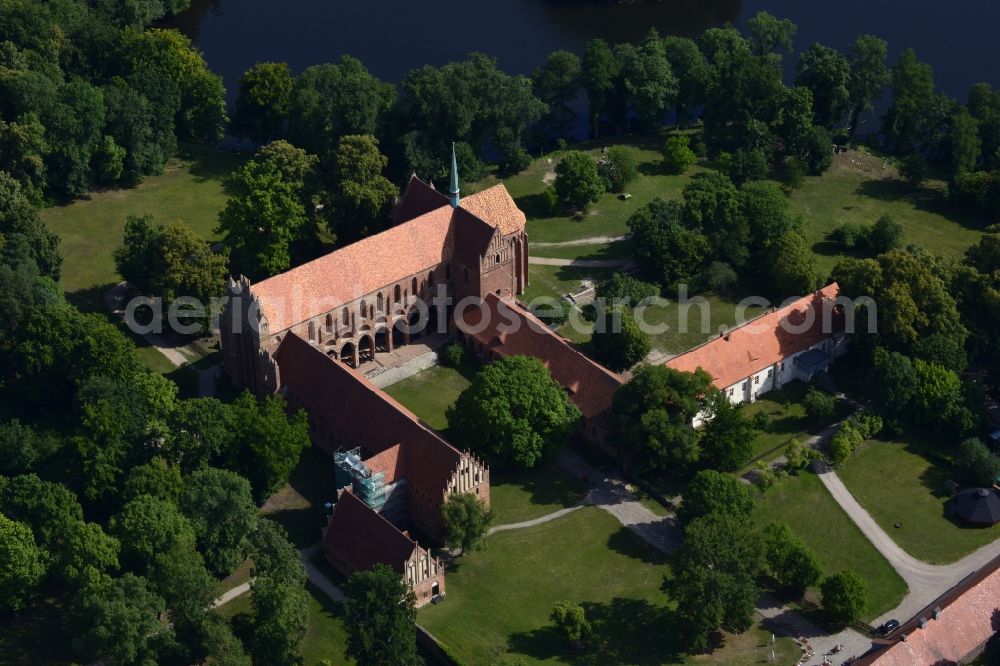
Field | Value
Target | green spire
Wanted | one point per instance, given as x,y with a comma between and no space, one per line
455,198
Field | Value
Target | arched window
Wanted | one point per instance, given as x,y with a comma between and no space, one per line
329,322
498,257
413,286
395,294
364,308
347,317
380,302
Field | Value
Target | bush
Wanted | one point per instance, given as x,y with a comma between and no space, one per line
748,165
677,154
577,182
976,465
452,356
844,597
554,313
720,278
844,442
820,405
819,147
617,168
867,424
550,201
795,173
884,235
914,169
628,290
761,421
849,235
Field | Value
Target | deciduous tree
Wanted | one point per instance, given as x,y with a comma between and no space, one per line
618,341
652,416
514,413
220,507
466,521
845,597
578,183
727,439
381,610
21,564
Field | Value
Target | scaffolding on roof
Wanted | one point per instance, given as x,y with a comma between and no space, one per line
352,471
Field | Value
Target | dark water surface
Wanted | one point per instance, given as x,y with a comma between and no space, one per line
958,38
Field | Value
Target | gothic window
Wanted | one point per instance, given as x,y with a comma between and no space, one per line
364,308
329,322
413,286
498,258
380,301
347,317
396,293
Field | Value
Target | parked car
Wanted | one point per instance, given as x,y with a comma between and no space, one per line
888,628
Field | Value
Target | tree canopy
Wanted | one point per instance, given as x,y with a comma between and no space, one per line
514,413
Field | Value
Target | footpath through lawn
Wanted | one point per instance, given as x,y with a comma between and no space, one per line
903,483
813,514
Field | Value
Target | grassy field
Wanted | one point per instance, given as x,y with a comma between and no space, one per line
607,217
607,570
515,496
622,249
521,496
803,503
191,190
325,636
429,393
903,482
856,189
523,573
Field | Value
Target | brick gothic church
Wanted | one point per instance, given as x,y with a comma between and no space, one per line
305,332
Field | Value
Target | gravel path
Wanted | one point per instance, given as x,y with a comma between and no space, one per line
593,240
610,493
535,521
926,581
583,263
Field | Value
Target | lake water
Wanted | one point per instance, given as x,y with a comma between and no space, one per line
958,38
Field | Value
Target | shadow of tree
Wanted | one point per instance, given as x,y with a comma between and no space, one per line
546,485
930,201
624,631
625,542
536,206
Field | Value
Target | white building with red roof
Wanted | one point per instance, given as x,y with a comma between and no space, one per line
796,341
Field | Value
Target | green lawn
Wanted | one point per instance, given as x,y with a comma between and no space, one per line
430,392
787,419
516,496
597,251
520,496
499,598
607,217
297,505
903,482
804,503
586,557
191,190
862,193
325,636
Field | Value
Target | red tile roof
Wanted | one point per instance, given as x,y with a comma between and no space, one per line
966,622
351,272
423,240
496,206
418,199
358,537
591,386
761,343
337,395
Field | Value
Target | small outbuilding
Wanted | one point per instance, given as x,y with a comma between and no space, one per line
978,506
